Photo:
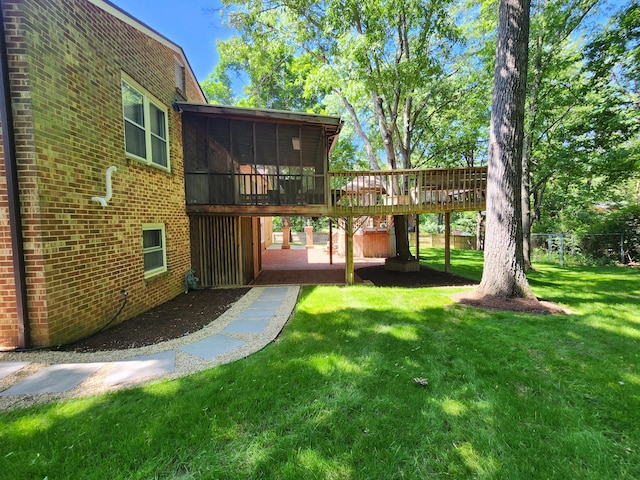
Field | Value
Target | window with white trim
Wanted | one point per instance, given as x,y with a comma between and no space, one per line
145,126
154,249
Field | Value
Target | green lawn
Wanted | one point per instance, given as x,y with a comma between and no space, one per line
509,396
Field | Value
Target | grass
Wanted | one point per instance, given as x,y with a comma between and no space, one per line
510,396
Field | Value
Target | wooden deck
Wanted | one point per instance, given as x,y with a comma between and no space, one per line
360,193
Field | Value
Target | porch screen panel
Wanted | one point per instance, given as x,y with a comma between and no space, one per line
267,162
242,142
266,151
196,176
313,165
288,154
219,145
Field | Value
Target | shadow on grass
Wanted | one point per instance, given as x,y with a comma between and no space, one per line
508,396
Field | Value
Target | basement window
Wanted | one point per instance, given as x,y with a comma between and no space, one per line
154,249
145,126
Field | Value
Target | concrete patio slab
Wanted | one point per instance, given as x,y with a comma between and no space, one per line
210,347
54,379
141,367
246,326
257,313
7,368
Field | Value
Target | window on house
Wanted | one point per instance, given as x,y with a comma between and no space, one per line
145,127
154,249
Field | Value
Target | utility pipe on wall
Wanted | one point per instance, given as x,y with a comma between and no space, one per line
13,192
104,200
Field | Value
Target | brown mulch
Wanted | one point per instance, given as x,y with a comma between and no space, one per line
523,305
185,314
426,277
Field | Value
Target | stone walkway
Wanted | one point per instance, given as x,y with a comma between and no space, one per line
251,323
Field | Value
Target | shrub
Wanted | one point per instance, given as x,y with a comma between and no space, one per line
625,221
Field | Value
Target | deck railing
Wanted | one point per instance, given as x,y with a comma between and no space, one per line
354,193
397,192
257,189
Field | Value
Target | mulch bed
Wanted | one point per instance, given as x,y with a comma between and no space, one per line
185,314
426,277
522,305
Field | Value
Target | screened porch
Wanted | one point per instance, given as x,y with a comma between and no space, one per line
246,157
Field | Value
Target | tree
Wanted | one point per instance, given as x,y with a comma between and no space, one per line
574,130
552,91
503,274
579,126
387,62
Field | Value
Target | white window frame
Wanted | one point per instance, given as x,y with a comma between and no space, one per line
148,100
155,227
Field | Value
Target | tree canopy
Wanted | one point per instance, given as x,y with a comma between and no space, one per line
413,80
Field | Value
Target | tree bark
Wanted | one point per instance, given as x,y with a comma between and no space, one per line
402,237
534,96
503,274
479,231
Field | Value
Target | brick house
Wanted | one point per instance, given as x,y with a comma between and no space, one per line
86,87
117,178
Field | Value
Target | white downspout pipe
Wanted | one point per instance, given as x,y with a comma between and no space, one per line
103,200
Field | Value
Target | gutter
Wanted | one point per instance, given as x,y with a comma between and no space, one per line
13,192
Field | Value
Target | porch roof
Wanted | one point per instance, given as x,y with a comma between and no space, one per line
331,124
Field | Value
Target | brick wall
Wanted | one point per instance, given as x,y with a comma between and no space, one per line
67,60
8,315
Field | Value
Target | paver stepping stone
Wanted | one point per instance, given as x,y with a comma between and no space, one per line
257,313
246,326
54,379
270,304
273,294
141,367
7,368
212,346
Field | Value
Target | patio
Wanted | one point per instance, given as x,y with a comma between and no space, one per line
306,266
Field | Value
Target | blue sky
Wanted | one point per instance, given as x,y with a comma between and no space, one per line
193,24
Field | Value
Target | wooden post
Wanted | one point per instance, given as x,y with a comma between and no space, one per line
349,274
447,242
417,236
330,241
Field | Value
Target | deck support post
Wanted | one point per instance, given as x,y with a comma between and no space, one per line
330,241
417,228
349,274
447,242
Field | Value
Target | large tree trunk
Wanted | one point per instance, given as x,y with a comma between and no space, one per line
503,274
534,95
402,237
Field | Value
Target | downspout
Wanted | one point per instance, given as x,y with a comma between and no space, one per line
13,193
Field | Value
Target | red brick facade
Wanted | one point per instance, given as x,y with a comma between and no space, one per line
66,64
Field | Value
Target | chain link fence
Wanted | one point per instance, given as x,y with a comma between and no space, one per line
578,249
